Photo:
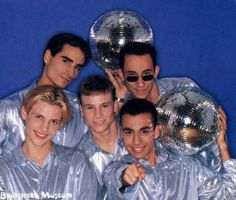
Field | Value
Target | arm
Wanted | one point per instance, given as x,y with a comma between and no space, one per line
112,179
217,185
119,83
221,140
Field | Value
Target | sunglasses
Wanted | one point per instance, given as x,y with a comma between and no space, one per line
145,77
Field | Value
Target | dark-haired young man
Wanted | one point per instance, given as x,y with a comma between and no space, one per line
102,143
150,172
63,58
137,78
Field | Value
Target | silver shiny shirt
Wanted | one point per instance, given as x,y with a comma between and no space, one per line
100,158
12,127
173,178
66,174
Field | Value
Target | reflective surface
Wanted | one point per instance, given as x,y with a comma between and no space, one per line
189,120
111,31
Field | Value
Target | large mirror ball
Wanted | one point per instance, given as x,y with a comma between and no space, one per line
111,31
189,120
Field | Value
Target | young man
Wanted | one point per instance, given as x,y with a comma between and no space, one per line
38,168
149,172
64,56
102,142
137,76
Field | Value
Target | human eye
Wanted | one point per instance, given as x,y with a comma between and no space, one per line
56,122
78,67
145,131
37,116
88,107
127,132
106,105
64,60
147,73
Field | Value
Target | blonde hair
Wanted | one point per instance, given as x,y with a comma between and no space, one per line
51,95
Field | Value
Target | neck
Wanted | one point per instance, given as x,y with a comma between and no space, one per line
107,140
36,153
154,94
153,158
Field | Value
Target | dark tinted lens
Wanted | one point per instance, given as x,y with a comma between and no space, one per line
148,77
132,78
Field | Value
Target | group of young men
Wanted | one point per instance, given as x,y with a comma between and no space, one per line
102,143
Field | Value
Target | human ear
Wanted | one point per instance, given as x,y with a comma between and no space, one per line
81,110
47,56
156,71
23,113
156,132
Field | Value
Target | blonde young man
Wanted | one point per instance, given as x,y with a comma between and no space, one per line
38,168
149,172
63,58
102,142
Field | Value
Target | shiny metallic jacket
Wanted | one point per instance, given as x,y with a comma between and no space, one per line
100,158
12,127
66,174
173,178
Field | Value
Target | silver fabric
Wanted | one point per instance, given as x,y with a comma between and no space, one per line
100,158
66,174
12,127
174,177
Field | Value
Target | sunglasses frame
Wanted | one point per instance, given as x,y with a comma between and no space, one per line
147,77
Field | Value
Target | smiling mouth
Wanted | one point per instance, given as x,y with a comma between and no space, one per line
138,149
40,135
66,79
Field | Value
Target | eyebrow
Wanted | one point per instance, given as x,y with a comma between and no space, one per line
146,127
69,59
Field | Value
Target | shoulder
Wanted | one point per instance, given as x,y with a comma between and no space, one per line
17,97
178,82
72,98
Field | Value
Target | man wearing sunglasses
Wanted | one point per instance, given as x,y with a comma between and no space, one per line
137,78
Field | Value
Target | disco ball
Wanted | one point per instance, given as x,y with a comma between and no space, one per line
188,119
111,31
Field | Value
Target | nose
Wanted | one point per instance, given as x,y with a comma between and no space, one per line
70,71
97,113
140,82
136,139
45,126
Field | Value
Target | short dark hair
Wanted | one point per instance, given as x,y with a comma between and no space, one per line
137,48
95,84
58,41
138,106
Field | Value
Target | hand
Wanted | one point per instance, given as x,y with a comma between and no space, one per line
221,139
118,82
133,173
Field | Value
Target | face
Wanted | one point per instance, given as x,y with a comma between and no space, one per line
99,112
41,123
140,66
139,134
61,69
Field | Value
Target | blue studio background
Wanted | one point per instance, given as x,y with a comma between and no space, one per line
194,38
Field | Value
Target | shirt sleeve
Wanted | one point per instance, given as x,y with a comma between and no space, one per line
218,185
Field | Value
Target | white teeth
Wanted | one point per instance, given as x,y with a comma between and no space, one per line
40,135
138,149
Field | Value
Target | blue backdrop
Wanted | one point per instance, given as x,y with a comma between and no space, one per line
194,38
